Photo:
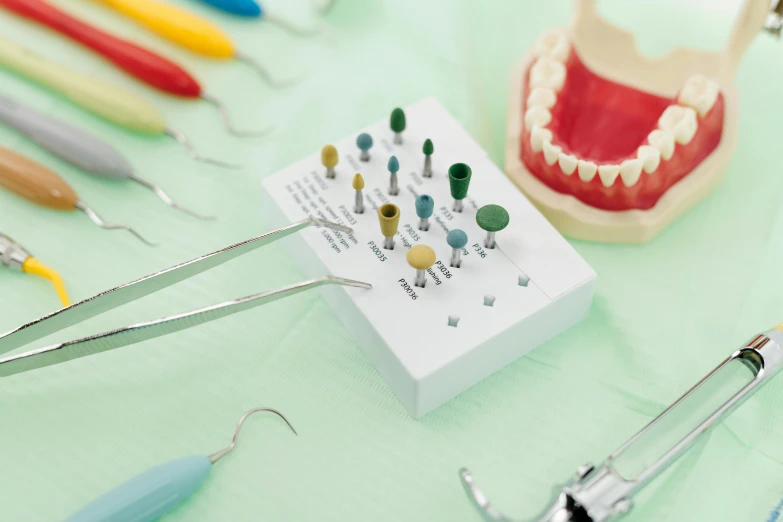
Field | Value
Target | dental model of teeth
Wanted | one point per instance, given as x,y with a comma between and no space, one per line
612,145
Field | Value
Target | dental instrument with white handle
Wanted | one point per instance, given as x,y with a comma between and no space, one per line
159,490
605,492
77,147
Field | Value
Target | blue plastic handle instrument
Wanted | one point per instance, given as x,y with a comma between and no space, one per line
247,8
159,490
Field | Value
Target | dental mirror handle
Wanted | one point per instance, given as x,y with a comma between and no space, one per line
65,141
104,99
247,8
149,495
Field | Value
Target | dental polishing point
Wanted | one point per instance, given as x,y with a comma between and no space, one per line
428,148
389,217
329,160
457,239
364,142
492,218
425,205
358,185
459,181
397,124
394,167
421,257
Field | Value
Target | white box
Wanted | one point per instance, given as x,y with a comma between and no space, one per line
422,358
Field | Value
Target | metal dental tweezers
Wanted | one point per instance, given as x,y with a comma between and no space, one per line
129,292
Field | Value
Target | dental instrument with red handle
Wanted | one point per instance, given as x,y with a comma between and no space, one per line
143,64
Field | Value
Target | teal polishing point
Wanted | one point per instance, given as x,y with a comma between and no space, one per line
364,142
457,238
425,205
394,164
492,218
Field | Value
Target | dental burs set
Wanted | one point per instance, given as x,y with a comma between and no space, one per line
129,292
108,101
602,493
162,489
40,185
81,149
14,256
147,66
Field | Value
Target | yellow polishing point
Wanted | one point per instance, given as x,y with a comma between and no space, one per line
35,267
421,257
329,156
358,182
779,326
389,216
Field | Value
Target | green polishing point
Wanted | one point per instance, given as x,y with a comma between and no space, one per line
397,121
428,147
459,180
492,218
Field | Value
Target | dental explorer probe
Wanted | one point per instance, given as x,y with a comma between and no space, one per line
104,99
161,489
139,62
602,493
16,257
39,185
81,149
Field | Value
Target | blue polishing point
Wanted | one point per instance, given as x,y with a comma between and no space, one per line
457,238
394,164
424,206
364,141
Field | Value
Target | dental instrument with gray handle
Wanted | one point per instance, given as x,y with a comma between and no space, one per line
604,492
79,148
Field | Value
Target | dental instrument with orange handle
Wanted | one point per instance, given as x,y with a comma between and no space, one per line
143,64
106,100
79,148
14,256
605,492
38,184
189,31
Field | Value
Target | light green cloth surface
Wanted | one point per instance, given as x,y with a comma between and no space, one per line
664,314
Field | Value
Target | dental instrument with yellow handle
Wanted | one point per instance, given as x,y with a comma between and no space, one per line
39,185
108,101
189,31
14,256
605,492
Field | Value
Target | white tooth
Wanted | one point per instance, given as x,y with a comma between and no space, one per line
630,170
553,44
662,140
537,116
650,157
608,173
567,163
542,97
681,121
587,170
700,93
551,152
538,135
549,73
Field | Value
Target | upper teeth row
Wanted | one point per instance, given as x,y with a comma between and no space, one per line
678,123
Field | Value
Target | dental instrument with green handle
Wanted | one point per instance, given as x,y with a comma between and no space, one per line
159,490
77,147
103,99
